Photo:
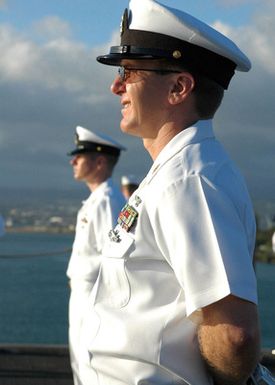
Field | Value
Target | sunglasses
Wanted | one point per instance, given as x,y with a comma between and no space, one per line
125,72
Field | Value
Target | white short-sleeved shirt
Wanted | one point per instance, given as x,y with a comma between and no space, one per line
273,242
186,241
96,217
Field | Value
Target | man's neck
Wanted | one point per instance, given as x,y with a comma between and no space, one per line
155,145
94,185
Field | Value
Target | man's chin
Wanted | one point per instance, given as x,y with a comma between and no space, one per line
129,130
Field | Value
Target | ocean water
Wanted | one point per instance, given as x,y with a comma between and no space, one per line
34,292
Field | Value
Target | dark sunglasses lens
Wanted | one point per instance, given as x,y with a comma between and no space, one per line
121,73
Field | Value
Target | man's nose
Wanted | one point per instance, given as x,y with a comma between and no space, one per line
118,86
73,160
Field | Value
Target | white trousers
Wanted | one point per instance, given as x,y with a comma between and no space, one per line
78,304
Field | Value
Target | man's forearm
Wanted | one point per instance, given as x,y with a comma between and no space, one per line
229,364
229,340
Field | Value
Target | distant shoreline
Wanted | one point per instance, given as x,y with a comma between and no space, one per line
41,229
262,254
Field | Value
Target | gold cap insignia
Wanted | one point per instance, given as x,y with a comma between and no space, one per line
76,139
124,22
177,54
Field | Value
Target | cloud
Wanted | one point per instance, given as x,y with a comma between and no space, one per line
254,39
58,63
46,89
3,4
247,113
17,56
50,85
52,26
235,3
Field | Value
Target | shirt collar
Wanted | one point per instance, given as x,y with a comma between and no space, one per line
200,131
98,191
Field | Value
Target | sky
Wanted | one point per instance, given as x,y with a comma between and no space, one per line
50,82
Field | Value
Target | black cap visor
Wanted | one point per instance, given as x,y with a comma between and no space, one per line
119,53
84,147
142,45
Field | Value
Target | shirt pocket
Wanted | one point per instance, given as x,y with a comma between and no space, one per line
113,287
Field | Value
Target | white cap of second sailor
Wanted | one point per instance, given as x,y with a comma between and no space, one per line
89,141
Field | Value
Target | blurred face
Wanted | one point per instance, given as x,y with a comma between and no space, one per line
144,98
84,167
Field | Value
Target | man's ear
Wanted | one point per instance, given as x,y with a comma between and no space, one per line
100,160
181,88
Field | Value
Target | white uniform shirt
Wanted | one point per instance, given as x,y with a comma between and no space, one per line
190,246
273,242
96,217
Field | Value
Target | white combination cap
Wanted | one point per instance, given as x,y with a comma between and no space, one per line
129,179
88,141
150,30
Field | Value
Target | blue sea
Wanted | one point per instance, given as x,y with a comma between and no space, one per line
34,291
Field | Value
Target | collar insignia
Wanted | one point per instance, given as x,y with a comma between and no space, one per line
114,236
137,200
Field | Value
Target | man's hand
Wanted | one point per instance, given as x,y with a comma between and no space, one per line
229,340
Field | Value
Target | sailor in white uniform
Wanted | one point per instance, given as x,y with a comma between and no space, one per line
2,226
176,298
129,183
93,161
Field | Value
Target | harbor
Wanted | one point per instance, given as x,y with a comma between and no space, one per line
33,309
185,242
50,365
35,365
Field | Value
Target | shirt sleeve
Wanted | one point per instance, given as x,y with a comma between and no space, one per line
84,261
203,237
